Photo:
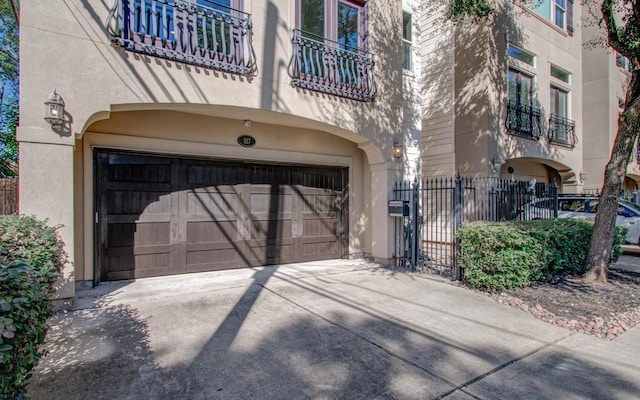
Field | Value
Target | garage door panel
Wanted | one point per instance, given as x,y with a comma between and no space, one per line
271,253
274,204
164,216
212,203
320,251
271,228
212,232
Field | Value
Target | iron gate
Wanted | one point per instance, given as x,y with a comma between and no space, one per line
426,238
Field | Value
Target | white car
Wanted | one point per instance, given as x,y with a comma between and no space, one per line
585,207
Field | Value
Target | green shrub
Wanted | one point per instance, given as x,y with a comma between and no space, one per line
498,256
31,259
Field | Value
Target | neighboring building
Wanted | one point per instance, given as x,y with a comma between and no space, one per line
606,76
505,99
200,136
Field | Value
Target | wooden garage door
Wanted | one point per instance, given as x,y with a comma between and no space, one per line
159,216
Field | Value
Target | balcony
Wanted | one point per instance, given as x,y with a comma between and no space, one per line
562,131
201,33
324,66
523,121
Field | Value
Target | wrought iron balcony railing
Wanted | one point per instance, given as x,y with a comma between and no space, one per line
324,66
196,32
562,131
523,121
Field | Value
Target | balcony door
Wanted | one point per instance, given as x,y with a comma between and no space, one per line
337,21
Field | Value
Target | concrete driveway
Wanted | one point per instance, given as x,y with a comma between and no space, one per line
323,330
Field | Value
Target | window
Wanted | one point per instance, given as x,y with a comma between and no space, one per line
520,87
561,74
522,55
554,11
329,49
407,26
335,20
559,102
623,62
621,104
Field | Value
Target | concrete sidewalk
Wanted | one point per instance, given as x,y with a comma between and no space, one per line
339,329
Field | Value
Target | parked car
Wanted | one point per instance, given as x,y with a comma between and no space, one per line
585,207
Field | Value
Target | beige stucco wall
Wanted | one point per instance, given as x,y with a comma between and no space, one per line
480,92
64,45
604,84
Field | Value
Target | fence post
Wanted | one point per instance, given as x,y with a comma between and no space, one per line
554,196
458,197
415,225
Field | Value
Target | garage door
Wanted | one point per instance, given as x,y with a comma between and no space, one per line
159,216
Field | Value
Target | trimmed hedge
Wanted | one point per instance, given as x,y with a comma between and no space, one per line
31,260
498,256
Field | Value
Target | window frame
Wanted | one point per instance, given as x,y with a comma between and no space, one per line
519,74
407,42
554,110
331,22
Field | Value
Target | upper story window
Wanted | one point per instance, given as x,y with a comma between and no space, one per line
336,20
559,102
407,42
520,87
623,62
558,12
329,49
560,74
521,55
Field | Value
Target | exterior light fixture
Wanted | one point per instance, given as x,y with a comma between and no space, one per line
248,123
54,113
396,150
495,164
582,175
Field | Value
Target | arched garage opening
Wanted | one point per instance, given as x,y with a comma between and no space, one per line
175,193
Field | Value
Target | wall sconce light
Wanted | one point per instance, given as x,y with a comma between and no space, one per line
396,150
495,163
582,175
54,114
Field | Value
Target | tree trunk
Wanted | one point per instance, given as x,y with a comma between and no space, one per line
600,246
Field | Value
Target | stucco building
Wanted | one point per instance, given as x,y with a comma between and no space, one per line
203,135
505,99
199,135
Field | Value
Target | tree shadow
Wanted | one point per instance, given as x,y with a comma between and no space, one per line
275,339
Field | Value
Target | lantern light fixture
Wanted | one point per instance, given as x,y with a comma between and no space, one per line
396,150
54,113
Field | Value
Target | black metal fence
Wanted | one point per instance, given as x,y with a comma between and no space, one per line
425,239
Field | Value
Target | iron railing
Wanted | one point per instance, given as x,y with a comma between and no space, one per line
523,121
326,66
201,33
426,238
562,131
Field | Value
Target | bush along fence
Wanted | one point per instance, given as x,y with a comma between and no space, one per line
498,256
31,260
435,208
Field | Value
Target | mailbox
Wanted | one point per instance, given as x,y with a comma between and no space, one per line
398,208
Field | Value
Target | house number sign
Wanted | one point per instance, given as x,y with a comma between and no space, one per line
246,141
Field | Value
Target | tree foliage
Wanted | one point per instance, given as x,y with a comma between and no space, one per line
9,91
462,10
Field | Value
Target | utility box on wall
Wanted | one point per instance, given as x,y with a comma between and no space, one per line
398,208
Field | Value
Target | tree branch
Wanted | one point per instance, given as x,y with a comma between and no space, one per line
612,27
12,56
15,7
